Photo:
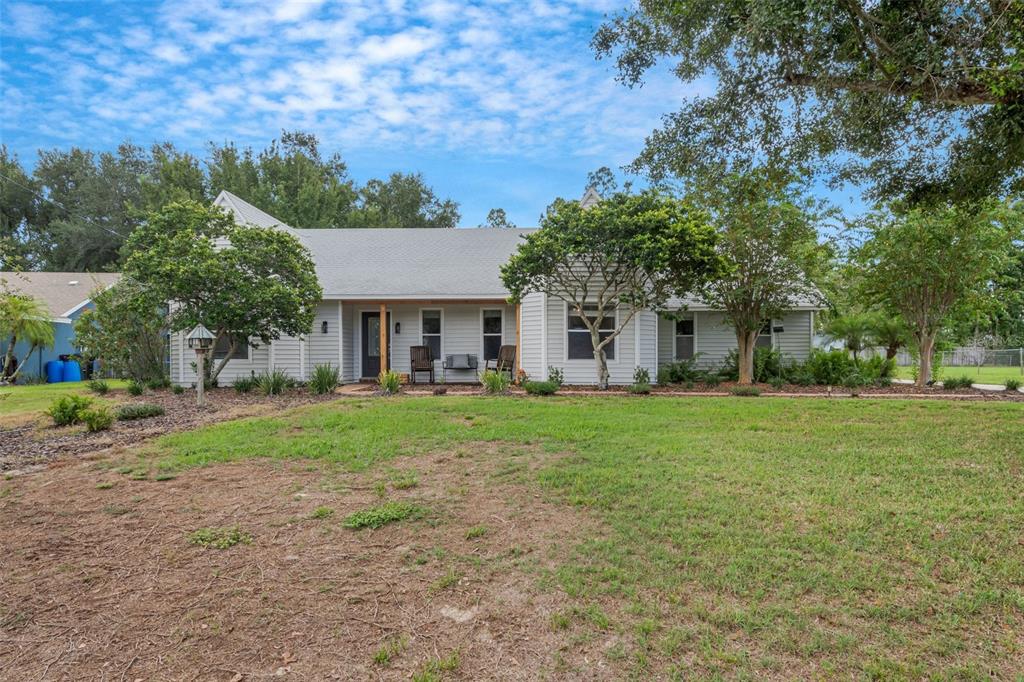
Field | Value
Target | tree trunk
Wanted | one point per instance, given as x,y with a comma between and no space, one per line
17,370
602,369
745,349
927,347
8,356
890,352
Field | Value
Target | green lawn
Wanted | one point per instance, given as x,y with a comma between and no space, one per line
743,537
980,375
19,403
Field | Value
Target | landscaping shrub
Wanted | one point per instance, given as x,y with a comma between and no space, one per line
219,538
495,383
548,387
767,364
642,381
1013,384
855,381
244,384
325,379
177,390
711,379
99,386
555,374
155,384
956,383
745,391
375,517
138,411
273,383
97,418
877,367
135,388
390,382
776,382
829,368
67,409
678,372
639,389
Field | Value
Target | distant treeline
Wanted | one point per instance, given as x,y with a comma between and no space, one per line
74,211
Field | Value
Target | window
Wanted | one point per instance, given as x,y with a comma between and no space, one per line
764,337
579,344
220,349
430,325
684,339
492,333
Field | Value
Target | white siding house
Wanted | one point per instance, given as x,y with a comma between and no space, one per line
442,288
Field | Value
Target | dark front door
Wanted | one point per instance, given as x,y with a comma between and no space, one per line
371,344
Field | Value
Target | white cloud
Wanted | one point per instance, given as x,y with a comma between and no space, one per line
398,46
28,21
169,52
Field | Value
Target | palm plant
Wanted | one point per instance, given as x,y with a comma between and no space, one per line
22,318
891,333
853,330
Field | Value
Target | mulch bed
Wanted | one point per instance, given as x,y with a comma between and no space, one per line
39,442
102,583
724,388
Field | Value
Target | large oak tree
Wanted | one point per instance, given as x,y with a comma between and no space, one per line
922,100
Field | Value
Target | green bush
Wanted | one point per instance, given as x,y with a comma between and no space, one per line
639,388
855,380
138,411
244,384
956,383
375,517
325,379
68,409
877,367
711,379
767,364
1013,384
556,375
97,419
495,383
135,388
177,389
157,383
274,382
389,382
745,391
99,386
678,372
829,368
776,382
548,387
641,376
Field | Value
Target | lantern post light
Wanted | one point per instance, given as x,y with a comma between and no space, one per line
201,341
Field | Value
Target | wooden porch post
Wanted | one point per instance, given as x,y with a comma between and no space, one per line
383,337
519,343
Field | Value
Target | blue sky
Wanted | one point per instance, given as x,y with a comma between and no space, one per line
498,103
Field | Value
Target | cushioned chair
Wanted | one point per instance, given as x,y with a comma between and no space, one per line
421,360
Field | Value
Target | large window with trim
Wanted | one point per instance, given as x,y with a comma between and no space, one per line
685,338
579,344
430,326
220,349
492,324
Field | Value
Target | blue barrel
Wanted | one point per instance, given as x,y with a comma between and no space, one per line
72,371
54,372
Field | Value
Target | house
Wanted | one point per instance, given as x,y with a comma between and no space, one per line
442,288
67,295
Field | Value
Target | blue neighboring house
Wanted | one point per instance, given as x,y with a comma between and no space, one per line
67,295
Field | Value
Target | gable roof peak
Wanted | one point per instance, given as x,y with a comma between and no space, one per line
590,198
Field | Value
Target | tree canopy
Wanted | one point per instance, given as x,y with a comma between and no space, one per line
77,207
246,284
496,217
924,264
921,100
634,251
768,240
24,319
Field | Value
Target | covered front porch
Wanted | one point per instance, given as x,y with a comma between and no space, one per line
471,328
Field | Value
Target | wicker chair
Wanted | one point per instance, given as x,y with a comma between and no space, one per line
505,362
421,360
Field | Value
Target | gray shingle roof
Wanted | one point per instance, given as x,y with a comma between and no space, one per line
62,292
412,263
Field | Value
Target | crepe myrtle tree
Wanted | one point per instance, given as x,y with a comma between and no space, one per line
768,240
634,251
926,264
246,284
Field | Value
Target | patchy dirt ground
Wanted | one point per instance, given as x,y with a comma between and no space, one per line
37,442
101,582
